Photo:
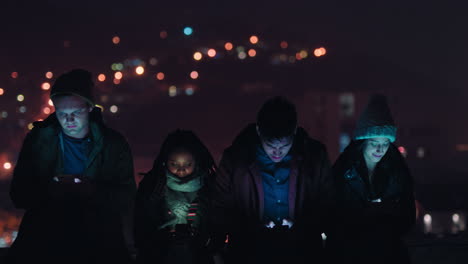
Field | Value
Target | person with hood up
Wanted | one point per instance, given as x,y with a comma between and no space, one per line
170,222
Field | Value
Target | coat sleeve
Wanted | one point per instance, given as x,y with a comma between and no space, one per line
121,192
221,203
145,216
26,190
397,214
400,213
407,206
328,193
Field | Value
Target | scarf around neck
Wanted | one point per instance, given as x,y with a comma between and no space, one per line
177,184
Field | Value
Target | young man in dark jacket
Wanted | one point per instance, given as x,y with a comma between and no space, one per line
274,195
74,177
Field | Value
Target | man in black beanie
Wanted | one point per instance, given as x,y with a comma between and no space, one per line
274,195
74,177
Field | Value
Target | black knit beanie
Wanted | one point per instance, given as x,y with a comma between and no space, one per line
376,120
76,82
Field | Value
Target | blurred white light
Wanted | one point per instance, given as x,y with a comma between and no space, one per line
172,91
427,219
114,109
420,152
7,165
324,236
4,114
242,55
140,70
22,109
153,61
456,218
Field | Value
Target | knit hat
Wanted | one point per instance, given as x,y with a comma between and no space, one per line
376,120
76,82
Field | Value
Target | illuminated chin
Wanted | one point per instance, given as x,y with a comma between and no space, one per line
276,159
71,131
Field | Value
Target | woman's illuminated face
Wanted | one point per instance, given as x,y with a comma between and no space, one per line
375,149
181,163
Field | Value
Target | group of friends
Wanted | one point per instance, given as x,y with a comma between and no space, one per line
274,197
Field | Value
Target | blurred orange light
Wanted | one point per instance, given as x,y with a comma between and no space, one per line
317,53
211,53
46,110
252,53
160,76
140,70
118,75
194,75
14,75
50,102
197,56
163,34
116,81
116,40
298,56
228,46
2,91
284,44
45,86
254,39
7,165
323,50
101,77
49,75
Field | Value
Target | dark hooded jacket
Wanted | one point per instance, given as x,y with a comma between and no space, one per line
91,221
375,219
155,244
238,203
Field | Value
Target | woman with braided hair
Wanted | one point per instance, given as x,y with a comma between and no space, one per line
169,222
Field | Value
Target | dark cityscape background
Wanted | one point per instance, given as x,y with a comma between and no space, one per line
325,56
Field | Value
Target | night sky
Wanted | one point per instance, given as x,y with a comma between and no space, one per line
370,44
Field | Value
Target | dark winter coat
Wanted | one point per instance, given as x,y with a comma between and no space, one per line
91,221
237,200
372,231
151,211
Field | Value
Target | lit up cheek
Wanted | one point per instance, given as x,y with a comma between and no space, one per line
385,150
172,169
190,169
